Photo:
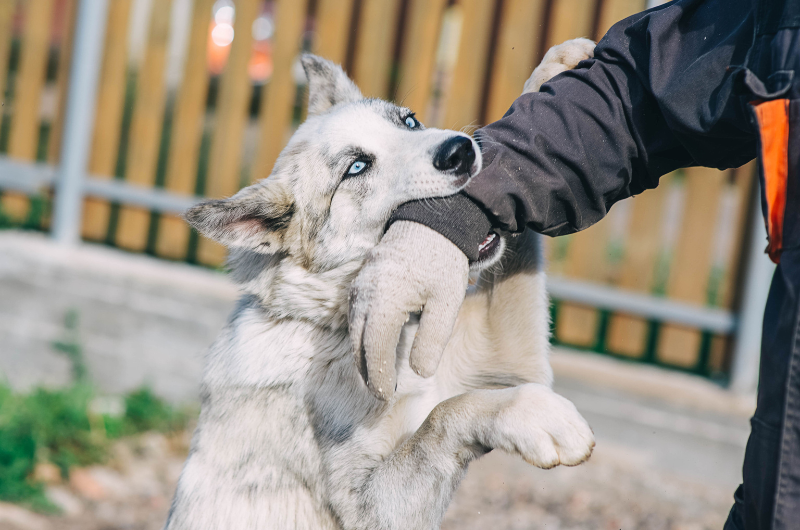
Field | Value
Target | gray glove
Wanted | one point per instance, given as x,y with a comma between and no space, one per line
412,268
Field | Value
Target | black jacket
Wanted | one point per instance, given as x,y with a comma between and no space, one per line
662,92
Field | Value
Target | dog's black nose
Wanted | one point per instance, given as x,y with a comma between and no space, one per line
455,154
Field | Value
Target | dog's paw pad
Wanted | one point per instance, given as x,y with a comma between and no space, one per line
545,429
559,58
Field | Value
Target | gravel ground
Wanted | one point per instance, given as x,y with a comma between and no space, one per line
617,489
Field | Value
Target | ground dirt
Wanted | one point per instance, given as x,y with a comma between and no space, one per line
614,490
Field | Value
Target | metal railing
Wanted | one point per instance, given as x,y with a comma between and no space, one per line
71,183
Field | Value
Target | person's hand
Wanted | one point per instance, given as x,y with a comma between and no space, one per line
413,268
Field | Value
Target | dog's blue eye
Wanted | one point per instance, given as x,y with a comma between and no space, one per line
411,122
357,167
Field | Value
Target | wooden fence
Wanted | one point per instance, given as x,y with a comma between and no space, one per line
183,107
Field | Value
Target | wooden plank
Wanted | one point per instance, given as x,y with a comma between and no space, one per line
692,261
279,94
108,115
27,94
231,117
521,24
744,187
62,81
187,131
570,19
463,100
612,11
7,8
374,46
418,56
146,125
333,29
586,260
628,335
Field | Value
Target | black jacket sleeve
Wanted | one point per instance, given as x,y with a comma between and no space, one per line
658,95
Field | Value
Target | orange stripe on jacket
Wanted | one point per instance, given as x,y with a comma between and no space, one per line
773,125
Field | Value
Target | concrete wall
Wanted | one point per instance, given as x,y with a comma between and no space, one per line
140,320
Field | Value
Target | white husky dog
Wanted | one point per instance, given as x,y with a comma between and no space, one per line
289,436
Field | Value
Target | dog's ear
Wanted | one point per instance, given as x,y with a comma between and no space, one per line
328,85
255,218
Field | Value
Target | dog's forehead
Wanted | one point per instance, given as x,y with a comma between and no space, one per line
369,121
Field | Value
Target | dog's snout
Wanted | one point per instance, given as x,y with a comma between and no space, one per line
456,155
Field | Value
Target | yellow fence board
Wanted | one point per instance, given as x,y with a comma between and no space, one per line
108,115
627,335
146,125
333,29
464,96
62,81
516,55
27,94
586,260
7,8
612,11
279,94
374,46
570,19
419,54
187,131
691,263
231,116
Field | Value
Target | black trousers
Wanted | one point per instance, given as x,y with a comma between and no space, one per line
769,497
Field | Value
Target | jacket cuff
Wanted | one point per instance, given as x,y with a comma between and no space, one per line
457,218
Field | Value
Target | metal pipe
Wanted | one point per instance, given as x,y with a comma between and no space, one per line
33,179
755,289
79,122
638,304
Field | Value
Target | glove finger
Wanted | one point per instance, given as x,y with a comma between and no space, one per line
435,327
379,349
357,319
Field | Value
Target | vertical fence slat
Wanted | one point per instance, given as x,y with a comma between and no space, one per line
570,19
418,58
586,259
691,264
333,29
7,8
743,187
521,26
612,11
108,115
27,94
187,131
464,96
627,335
229,121
62,81
279,94
374,46
146,124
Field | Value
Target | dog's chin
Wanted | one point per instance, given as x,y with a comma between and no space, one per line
489,251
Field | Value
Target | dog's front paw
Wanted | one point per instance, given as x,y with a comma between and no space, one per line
544,428
559,58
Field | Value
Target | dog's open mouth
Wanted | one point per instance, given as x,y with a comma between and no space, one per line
489,246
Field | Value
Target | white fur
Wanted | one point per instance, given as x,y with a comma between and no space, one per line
289,435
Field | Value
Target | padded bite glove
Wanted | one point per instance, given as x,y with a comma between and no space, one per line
413,268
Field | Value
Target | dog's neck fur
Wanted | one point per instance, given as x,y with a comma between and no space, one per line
287,289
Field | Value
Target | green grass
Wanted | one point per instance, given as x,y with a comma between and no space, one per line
59,426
